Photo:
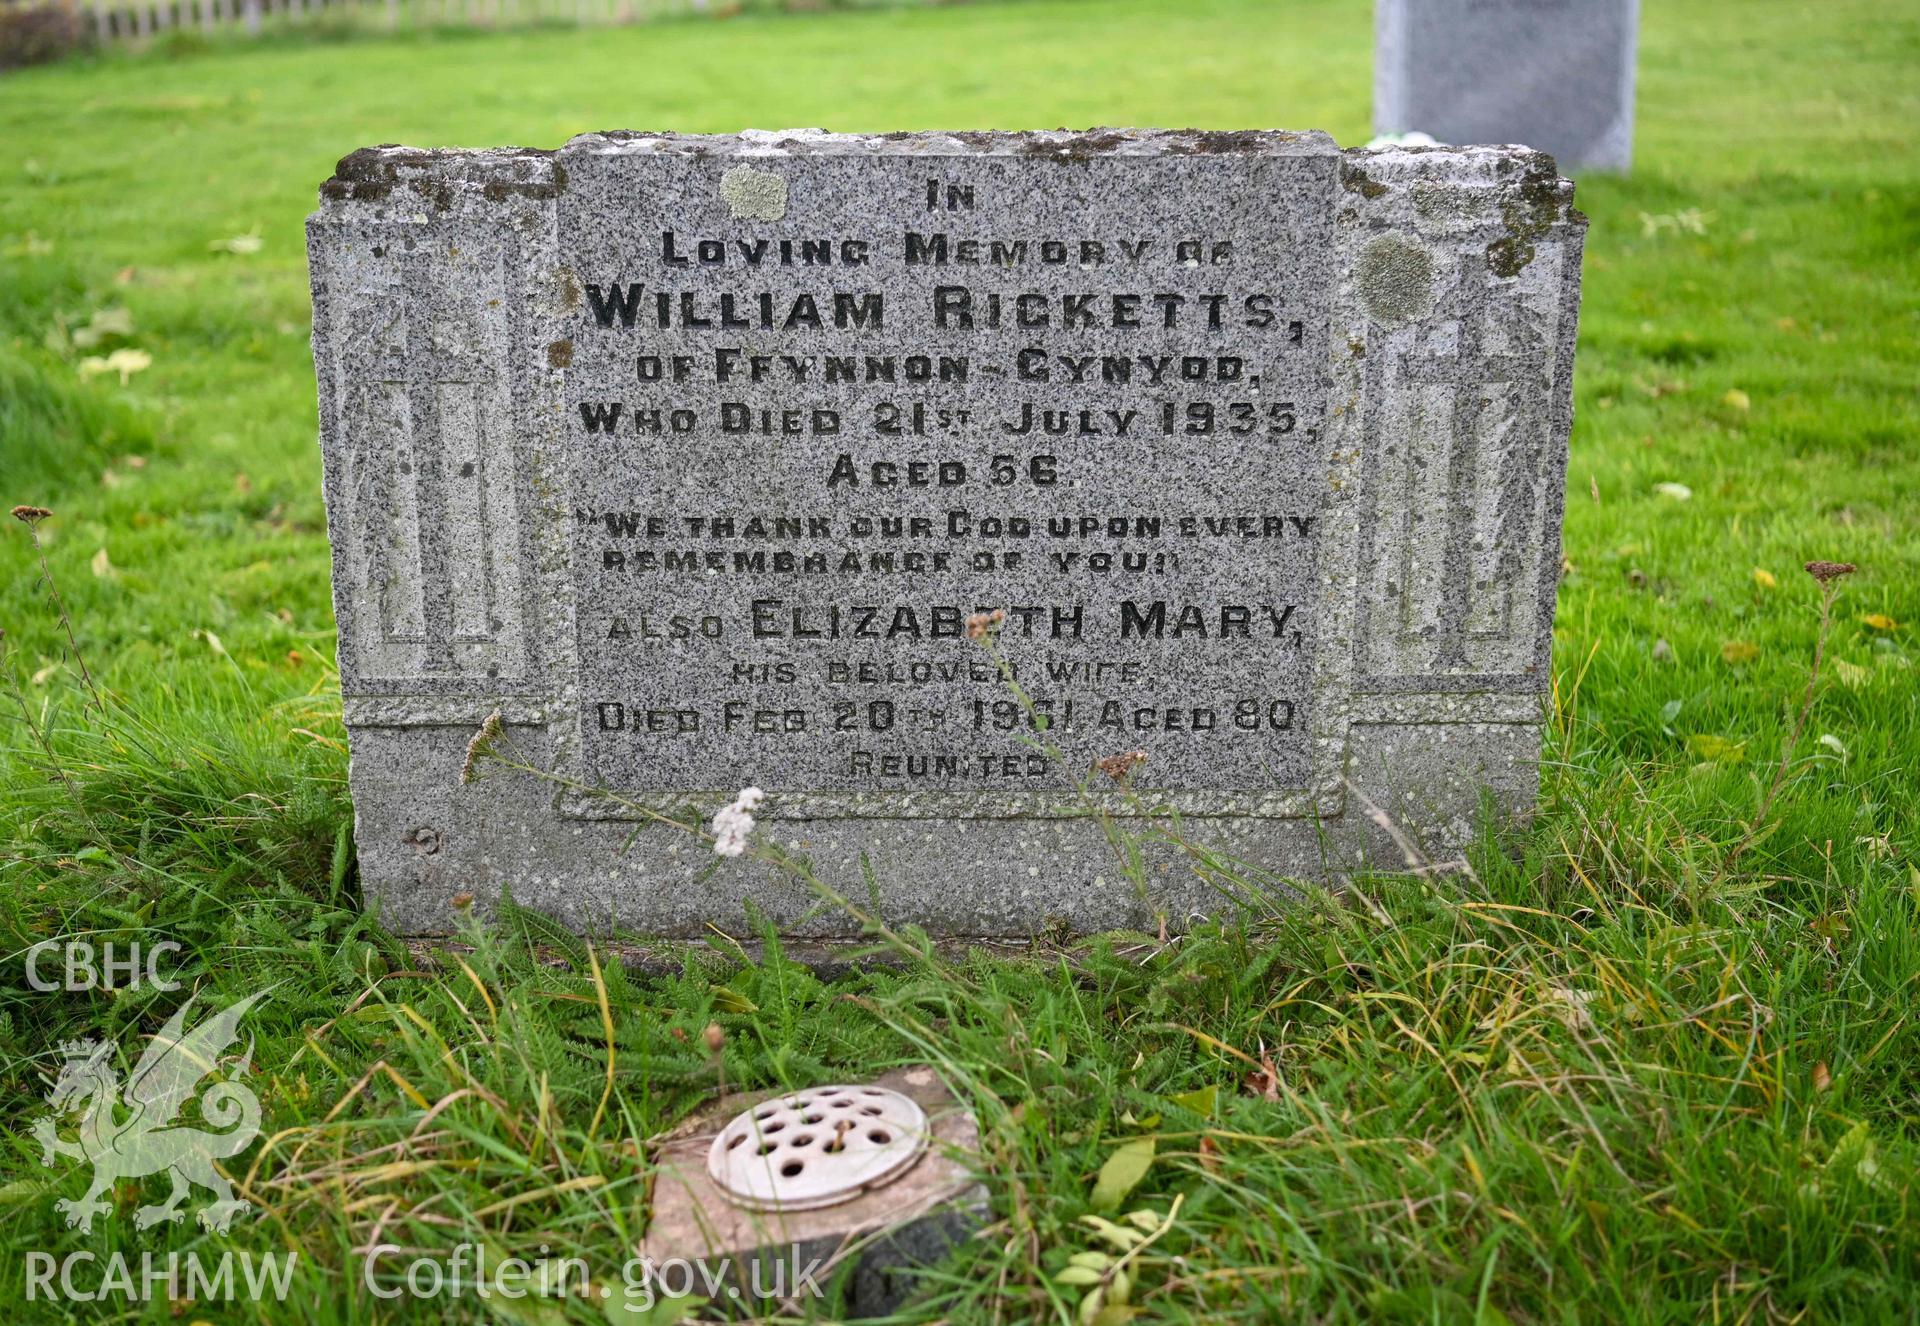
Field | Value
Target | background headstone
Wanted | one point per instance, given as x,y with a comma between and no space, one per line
1556,75
693,456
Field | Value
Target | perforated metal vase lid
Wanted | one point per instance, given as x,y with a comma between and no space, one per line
817,1147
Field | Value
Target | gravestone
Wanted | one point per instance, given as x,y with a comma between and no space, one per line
1553,74
703,461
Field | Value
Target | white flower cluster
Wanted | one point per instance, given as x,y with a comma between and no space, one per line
732,825
1413,138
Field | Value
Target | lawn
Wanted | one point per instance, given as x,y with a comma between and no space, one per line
1655,1058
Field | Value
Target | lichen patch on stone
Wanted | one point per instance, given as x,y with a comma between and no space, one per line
1530,208
754,195
1354,180
1395,279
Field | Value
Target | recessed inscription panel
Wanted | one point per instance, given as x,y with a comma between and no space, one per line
825,410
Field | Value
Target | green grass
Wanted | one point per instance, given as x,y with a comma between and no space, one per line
1624,1071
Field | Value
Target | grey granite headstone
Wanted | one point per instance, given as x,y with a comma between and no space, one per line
1553,74
692,457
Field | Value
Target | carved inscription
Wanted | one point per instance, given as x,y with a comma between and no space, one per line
431,469
808,451
1458,415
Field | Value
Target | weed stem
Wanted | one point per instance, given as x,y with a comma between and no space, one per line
1829,591
32,522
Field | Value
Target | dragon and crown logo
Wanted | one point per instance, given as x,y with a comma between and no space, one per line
130,1131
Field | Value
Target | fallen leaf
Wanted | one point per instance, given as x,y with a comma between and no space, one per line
1879,621
1209,1154
1264,1081
125,362
731,1001
1851,675
104,323
1200,1100
1691,221
1736,399
1822,1076
103,566
1717,749
1764,579
247,243
1122,1173
1679,492
1118,1235
1739,652
1572,1007
1662,651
